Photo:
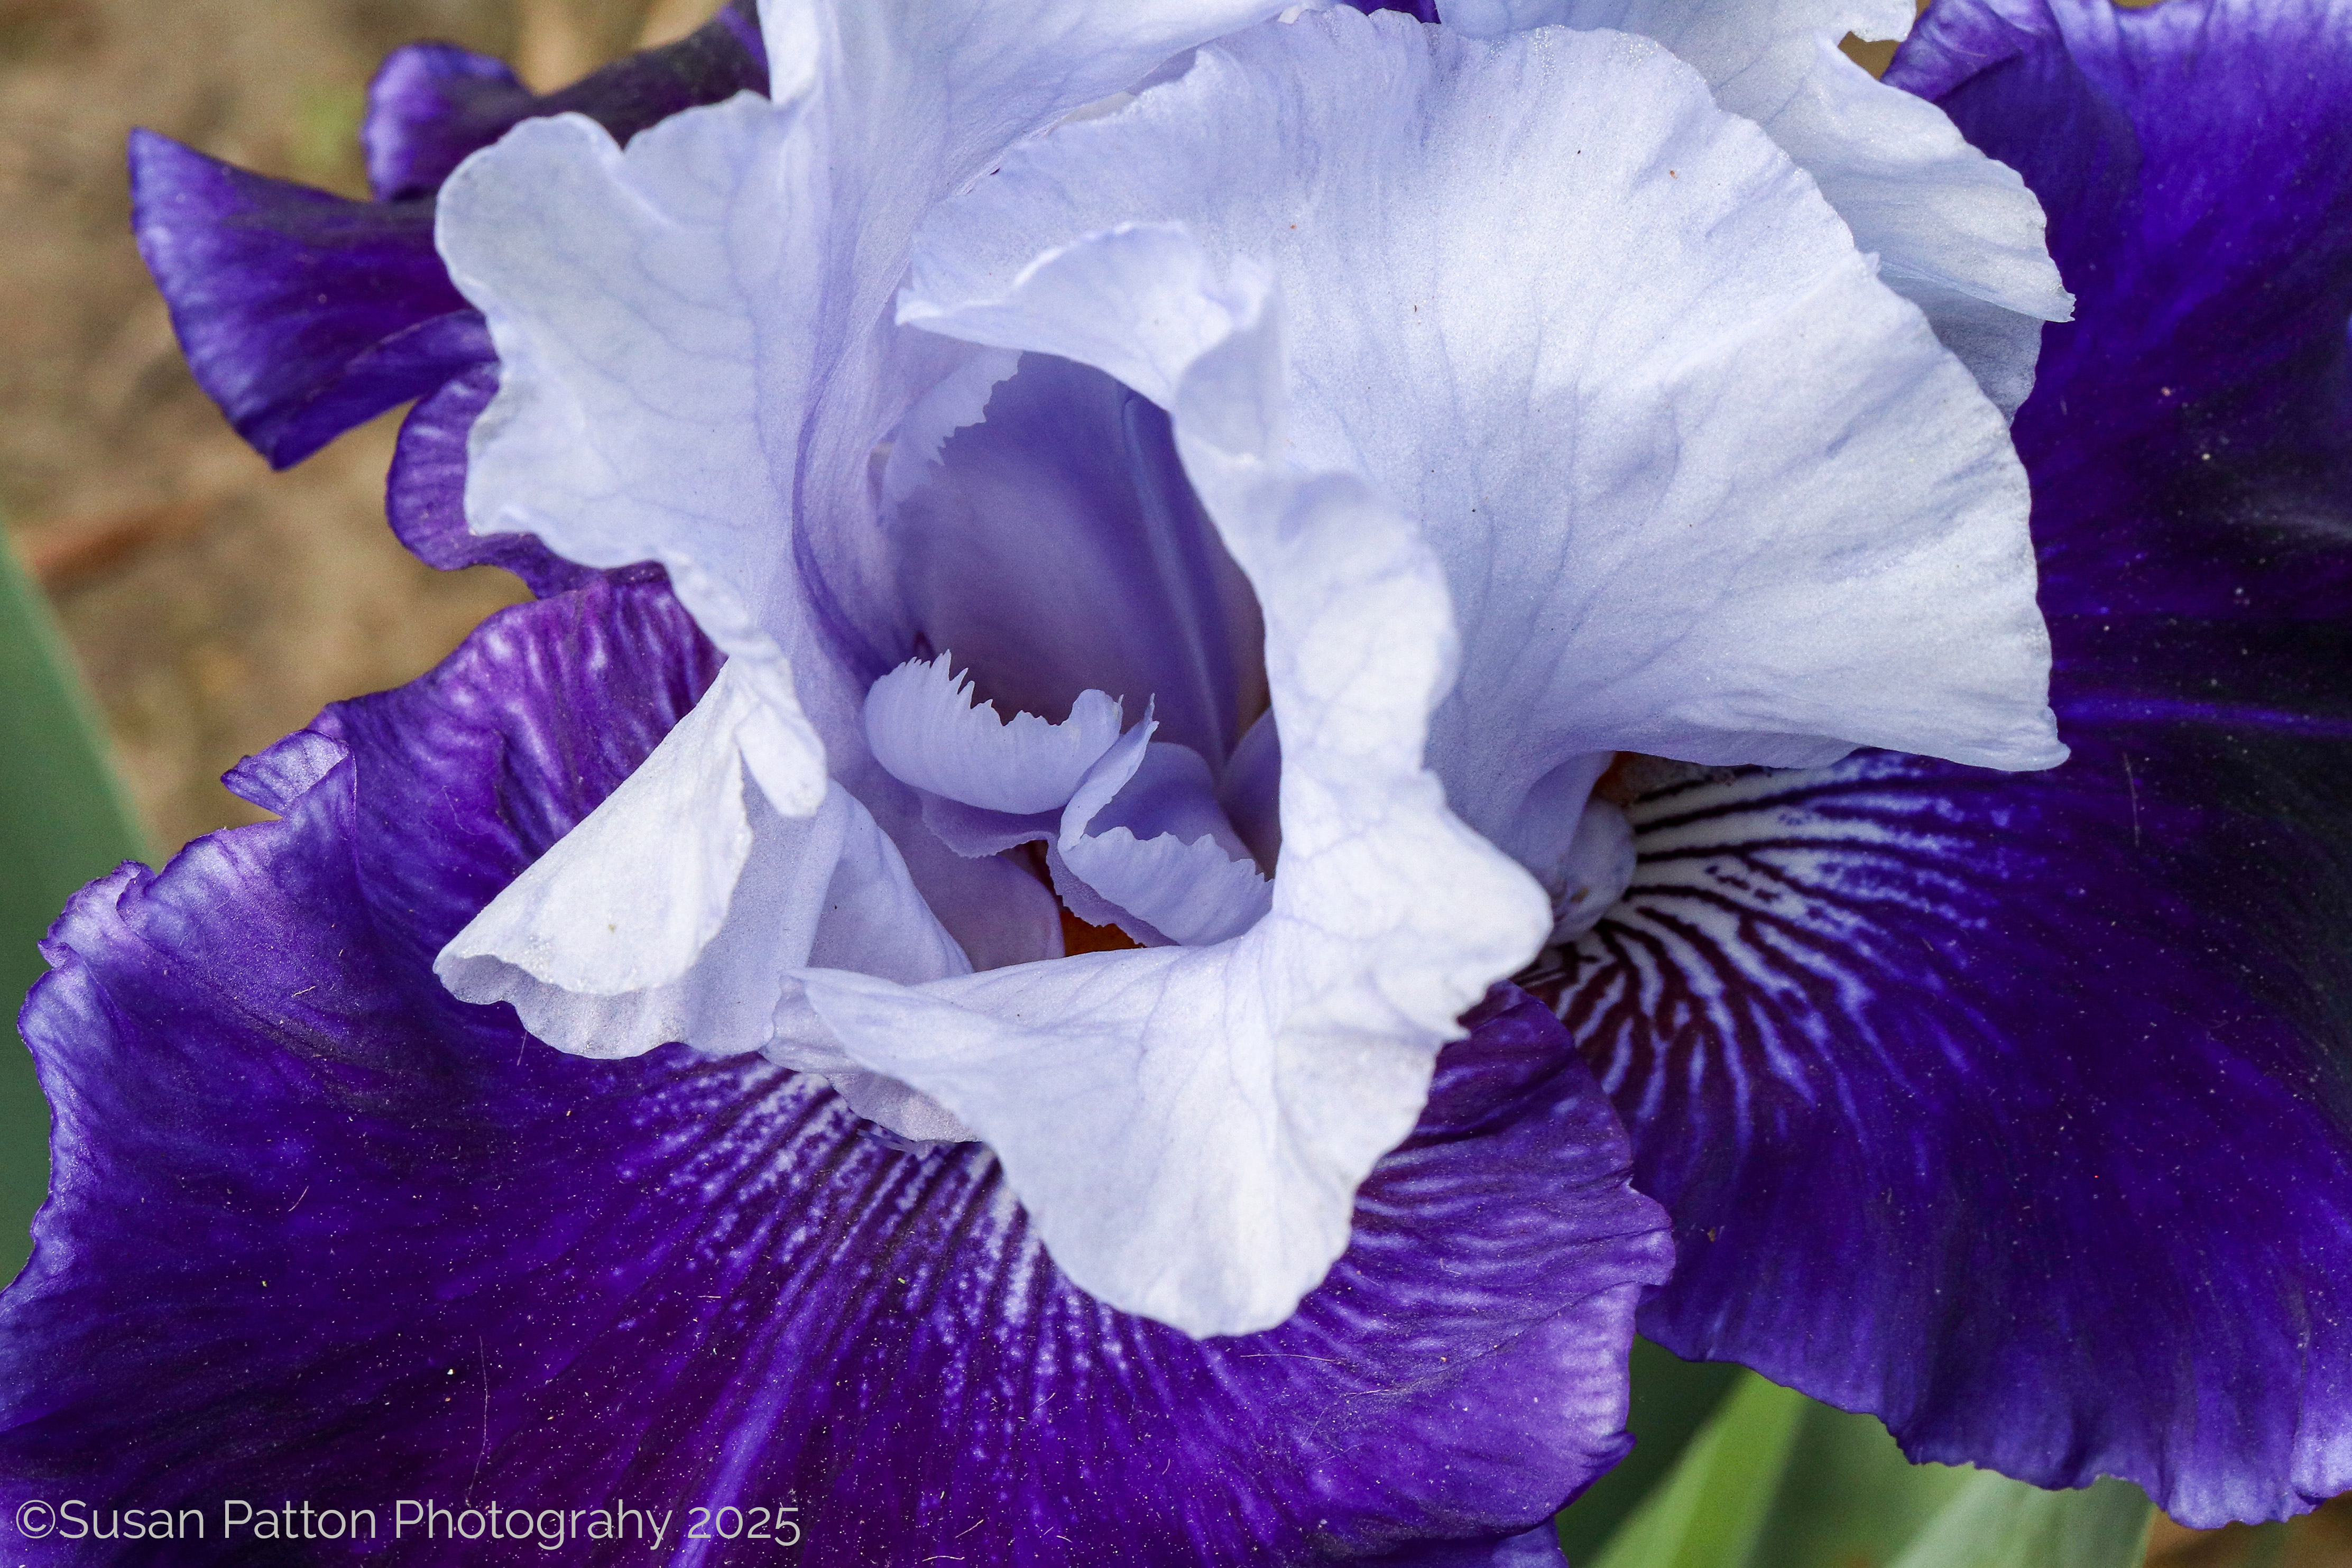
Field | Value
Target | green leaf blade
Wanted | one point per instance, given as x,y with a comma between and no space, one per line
1996,1522
64,819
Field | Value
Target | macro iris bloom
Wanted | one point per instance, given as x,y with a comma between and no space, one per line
1243,723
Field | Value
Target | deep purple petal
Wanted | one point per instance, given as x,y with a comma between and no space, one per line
2190,435
2012,1109
425,495
321,1232
1539,1548
302,314
433,104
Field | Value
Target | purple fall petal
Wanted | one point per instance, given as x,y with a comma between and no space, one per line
2010,1108
2019,1111
432,104
302,313
318,1230
2190,436
1539,1548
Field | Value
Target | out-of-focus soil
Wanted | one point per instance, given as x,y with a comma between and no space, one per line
213,605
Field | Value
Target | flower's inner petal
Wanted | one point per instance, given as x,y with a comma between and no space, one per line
1056,546
1184,1123
1172,791
1578,847
1591,870
1154,851
1251,792
922,726
1704,486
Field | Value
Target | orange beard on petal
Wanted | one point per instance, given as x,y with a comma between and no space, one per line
1077,936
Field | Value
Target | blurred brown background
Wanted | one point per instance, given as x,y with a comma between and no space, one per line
214,605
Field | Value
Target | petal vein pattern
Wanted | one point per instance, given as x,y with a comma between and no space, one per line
1955,233
1702,486
2011,1111
304,1196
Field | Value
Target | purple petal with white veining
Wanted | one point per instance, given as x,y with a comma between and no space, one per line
430,105
2012,1110
302,313
318,1230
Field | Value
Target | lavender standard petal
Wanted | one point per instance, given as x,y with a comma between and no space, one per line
1056,546
321,1231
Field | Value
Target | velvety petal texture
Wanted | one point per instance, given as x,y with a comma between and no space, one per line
302,313
318,1230
2019,1111
1598,267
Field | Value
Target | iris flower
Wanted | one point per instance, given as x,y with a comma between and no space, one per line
1111,577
